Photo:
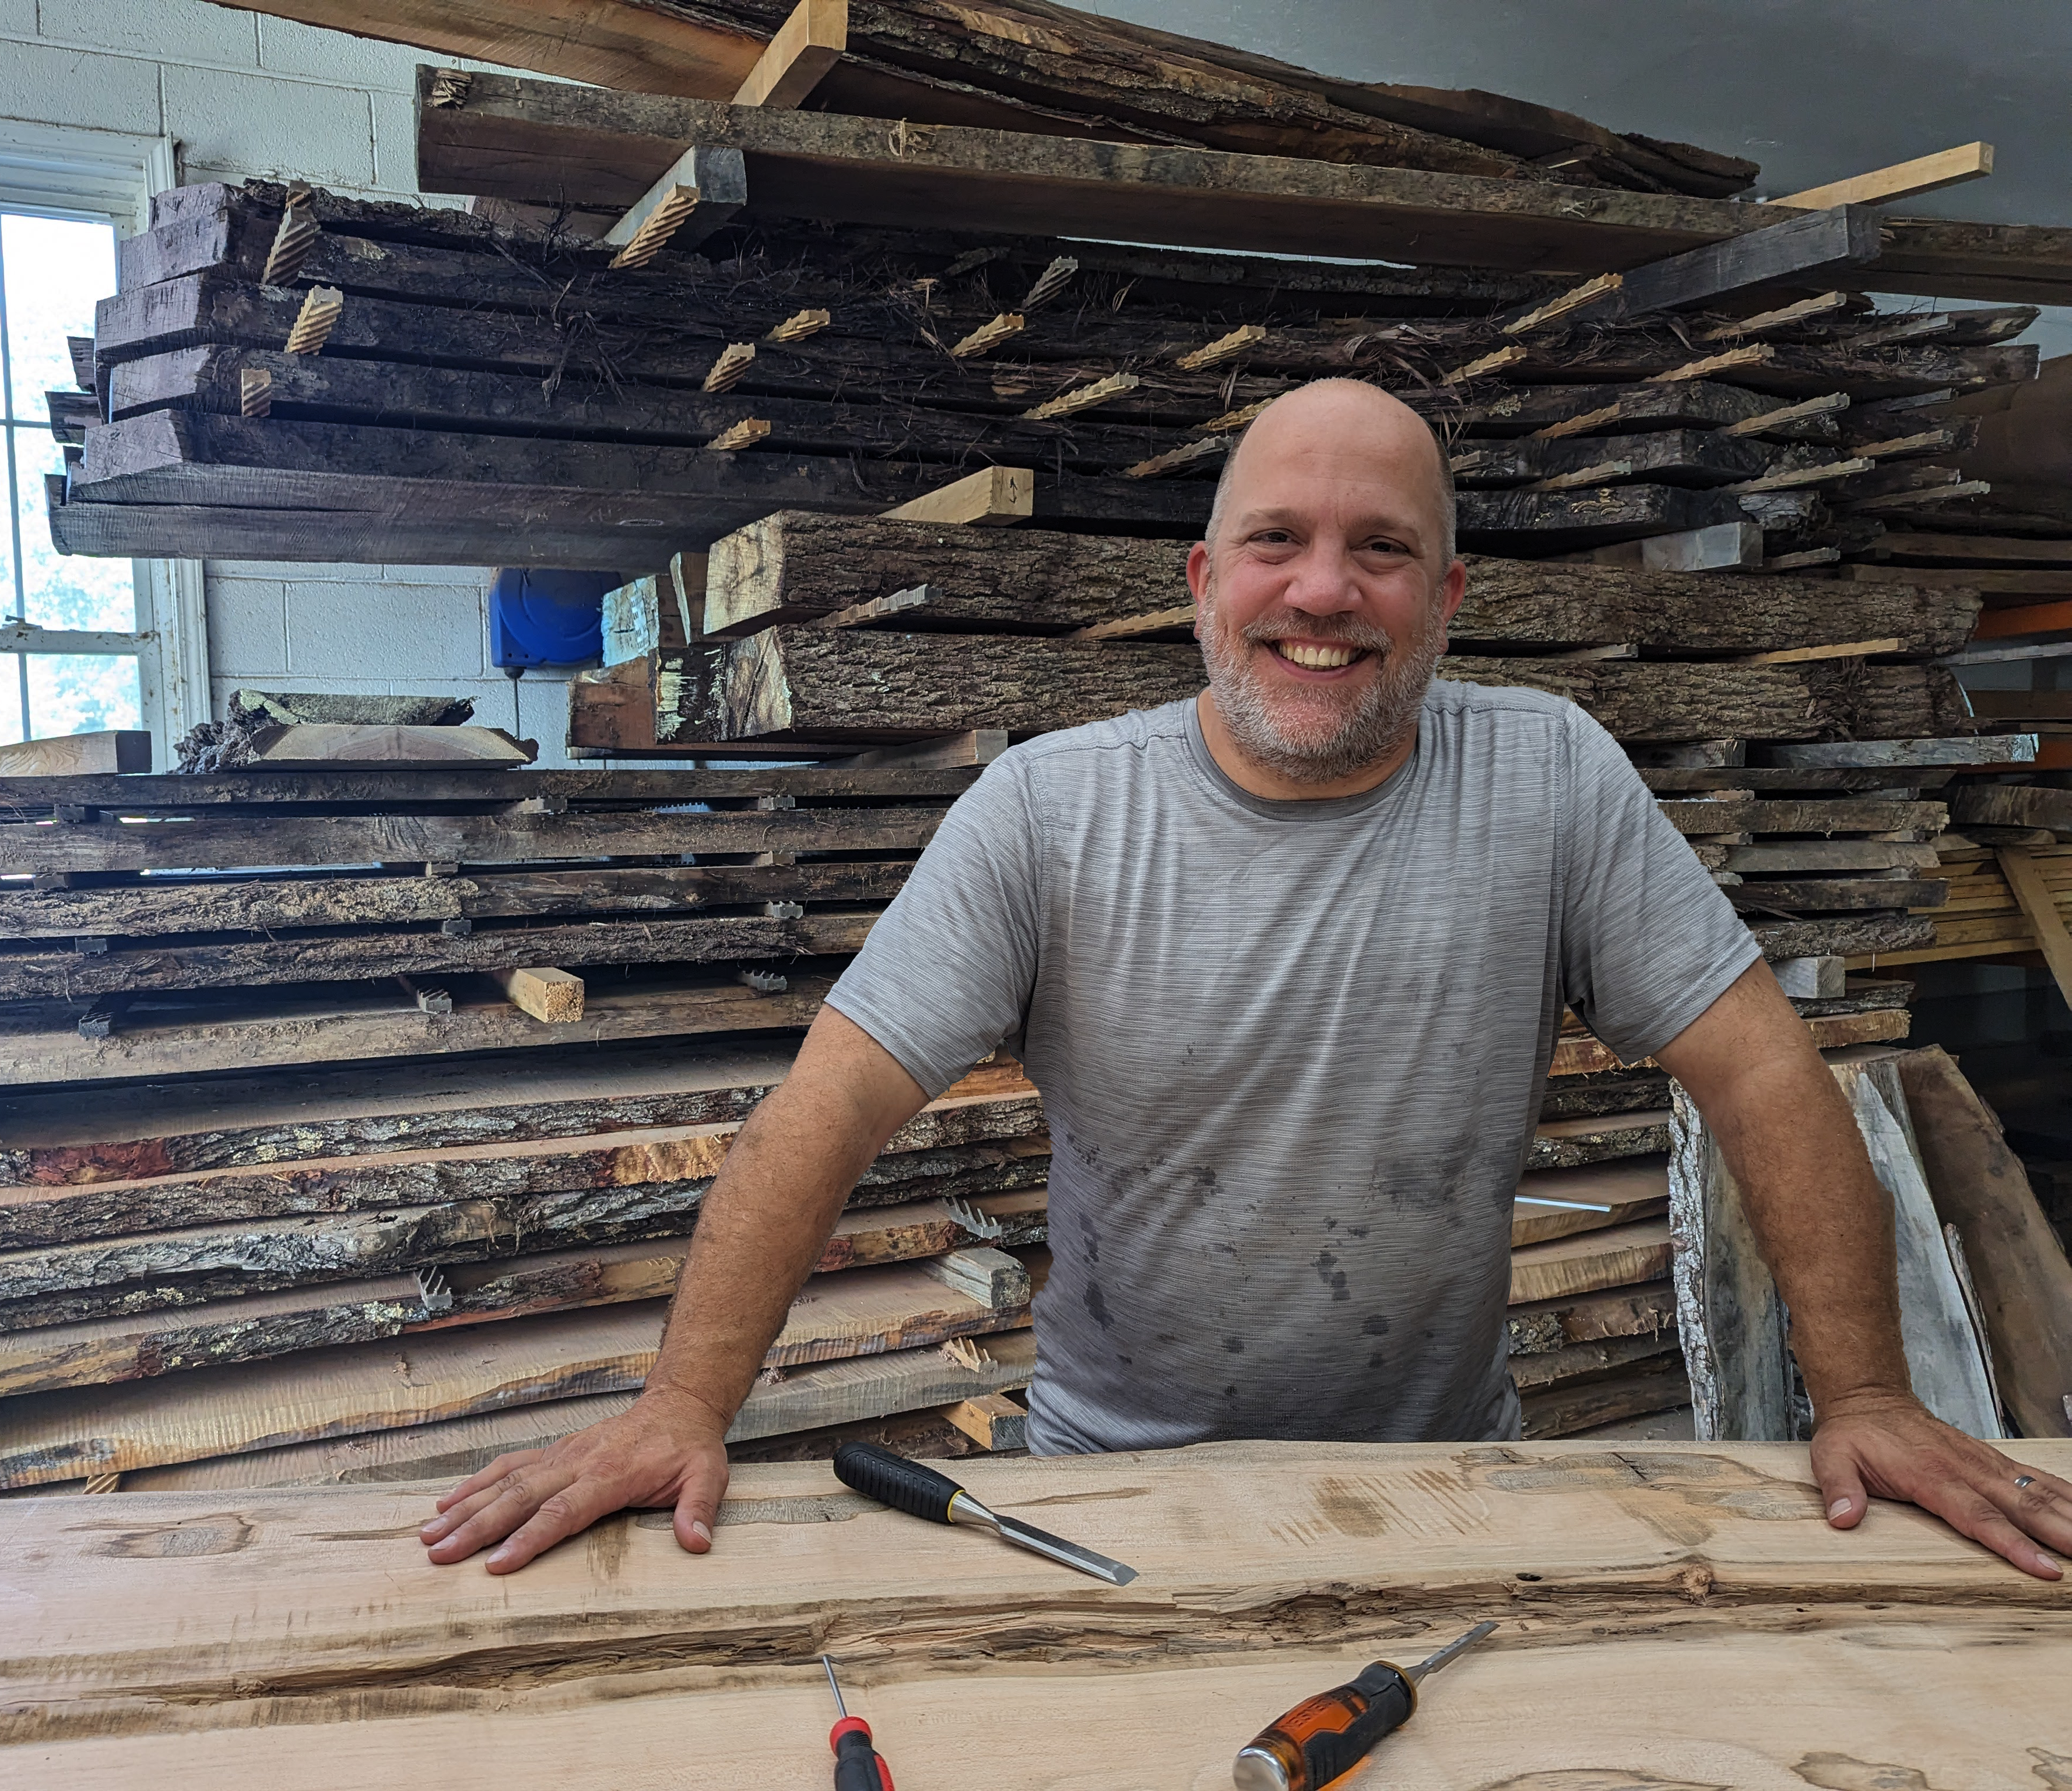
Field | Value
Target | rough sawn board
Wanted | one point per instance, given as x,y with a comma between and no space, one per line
1670,1616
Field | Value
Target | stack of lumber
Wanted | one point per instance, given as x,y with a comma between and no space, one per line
337,378
1668,1617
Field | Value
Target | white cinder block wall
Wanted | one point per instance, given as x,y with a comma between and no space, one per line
241,94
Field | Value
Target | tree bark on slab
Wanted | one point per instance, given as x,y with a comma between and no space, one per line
1648,1310
868,684
203,1033
1825,815
264,1119
1843,935
1572,1144
1826,895
794,565
2017,1261
230,841
29,975
39,1214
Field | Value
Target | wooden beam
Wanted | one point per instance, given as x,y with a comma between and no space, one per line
108,752
696,193
1840,649
991,497
1927,174
973,746
1808,249
552,995
809,43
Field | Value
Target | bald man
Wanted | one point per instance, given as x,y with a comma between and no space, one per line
1287,960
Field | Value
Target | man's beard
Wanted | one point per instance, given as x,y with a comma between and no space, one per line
1316,734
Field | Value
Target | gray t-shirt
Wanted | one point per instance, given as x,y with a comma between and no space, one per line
1292,1052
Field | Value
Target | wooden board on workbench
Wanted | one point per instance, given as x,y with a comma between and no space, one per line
1651,1600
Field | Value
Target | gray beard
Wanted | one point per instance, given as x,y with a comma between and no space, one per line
1316,742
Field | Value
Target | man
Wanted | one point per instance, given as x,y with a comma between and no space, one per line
1287,962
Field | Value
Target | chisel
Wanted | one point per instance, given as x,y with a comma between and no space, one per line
1325,1737
920,1491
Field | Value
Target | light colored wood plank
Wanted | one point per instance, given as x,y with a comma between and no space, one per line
1925,173
1587,1264
553,996
2046,924
807,44
332,746
973,746
106,751
992,496
1702,1574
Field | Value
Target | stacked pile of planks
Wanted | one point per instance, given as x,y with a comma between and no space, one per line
295,374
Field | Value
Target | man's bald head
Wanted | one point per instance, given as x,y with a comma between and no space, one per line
1366,426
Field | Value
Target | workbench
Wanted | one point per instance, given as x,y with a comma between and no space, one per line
1671,1616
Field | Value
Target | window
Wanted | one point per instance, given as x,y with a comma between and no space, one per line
85,644
85,675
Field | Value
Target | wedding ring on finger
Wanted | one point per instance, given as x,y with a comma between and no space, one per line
2023,1482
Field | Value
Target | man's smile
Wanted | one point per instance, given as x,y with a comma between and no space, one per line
1316,656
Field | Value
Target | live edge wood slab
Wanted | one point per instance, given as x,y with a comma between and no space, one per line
1671,1616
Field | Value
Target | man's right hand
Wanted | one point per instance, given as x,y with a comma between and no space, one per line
667,1450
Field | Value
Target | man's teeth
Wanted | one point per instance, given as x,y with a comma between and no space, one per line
1318,658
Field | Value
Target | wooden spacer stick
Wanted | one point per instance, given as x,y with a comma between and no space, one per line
989,335
255,391
316,320
748,430
1180,616
799,325
1083,397
1223,348
734,361
1178,459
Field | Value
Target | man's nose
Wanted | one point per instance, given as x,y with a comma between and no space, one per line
1321,582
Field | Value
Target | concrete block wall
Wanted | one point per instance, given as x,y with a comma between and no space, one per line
243,94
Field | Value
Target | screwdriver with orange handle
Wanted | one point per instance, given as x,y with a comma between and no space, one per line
1325,1737
858,1764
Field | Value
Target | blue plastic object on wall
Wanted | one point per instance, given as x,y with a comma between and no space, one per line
541,615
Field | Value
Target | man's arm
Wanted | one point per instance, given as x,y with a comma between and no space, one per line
1824,1224
762,1225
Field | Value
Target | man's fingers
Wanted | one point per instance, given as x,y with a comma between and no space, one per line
1841,1486
505,1508
697,1504
576,1506
483,1477
1980,1518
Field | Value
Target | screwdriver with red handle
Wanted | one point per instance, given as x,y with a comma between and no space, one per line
1325,1737
858,1765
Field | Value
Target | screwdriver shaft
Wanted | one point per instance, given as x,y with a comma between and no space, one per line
1433,1662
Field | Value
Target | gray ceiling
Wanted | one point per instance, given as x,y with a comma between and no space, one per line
1814,90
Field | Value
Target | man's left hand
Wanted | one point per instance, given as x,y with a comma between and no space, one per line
1891,1446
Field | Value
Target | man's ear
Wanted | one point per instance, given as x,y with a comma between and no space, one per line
1452,589
1197,571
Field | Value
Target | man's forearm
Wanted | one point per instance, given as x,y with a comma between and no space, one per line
1822,1220
1823,1223
766,1216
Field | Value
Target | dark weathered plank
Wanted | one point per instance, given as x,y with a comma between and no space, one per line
180,457
270,905
225,841
1824,816
174,794
555,144
2012,805
1551,521
1831,895
33,976
1660,457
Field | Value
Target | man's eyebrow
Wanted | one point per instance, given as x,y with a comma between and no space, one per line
1277,518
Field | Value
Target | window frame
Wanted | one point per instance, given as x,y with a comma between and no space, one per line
111,177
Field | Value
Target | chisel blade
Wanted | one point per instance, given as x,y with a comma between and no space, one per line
1028,1536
